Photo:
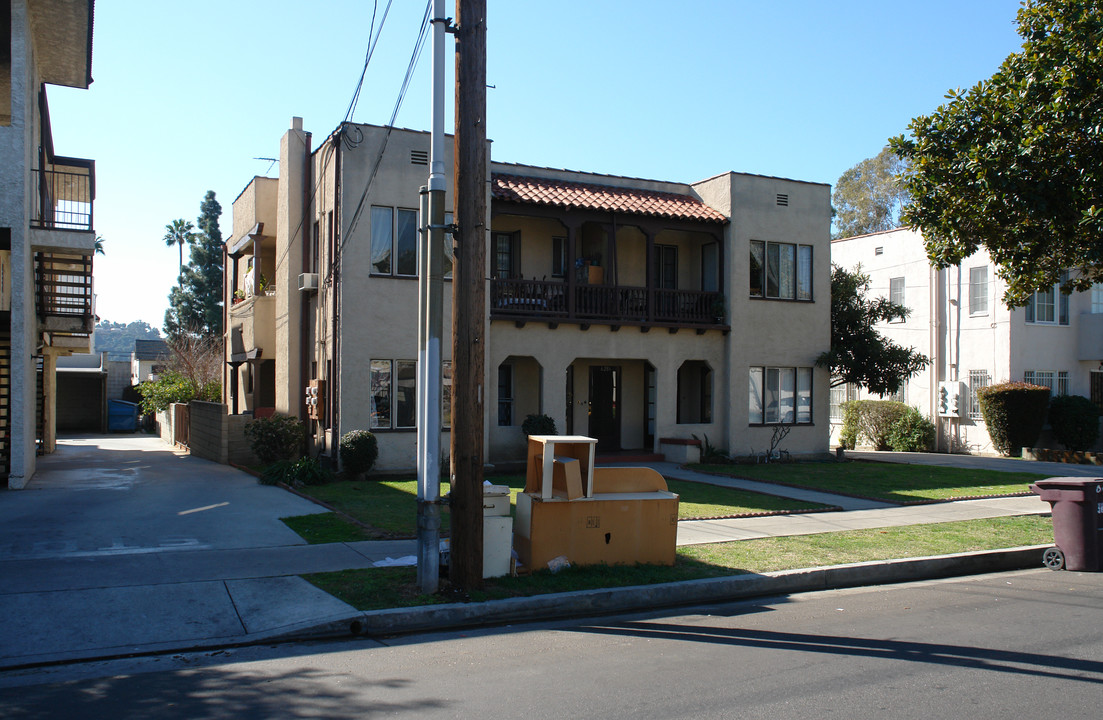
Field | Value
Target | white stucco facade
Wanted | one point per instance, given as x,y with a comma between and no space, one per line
962,324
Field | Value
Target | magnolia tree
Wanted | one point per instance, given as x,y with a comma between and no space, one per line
1014,165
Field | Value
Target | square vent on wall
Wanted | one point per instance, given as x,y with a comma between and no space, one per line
419,157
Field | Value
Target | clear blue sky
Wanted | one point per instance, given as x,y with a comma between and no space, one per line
186,95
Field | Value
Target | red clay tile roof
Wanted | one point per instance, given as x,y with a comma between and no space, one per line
572,195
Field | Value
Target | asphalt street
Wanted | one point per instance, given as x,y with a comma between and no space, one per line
1021,644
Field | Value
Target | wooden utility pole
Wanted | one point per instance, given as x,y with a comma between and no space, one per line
469,297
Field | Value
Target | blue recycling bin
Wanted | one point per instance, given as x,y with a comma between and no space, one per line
122,416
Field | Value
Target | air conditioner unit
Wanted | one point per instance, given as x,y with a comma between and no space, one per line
308,281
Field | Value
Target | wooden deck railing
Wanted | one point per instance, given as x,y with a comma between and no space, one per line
613,304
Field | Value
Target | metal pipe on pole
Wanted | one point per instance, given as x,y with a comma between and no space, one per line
430,326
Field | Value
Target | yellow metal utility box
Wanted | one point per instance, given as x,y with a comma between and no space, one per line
591,515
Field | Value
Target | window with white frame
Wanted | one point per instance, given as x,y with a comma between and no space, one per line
780,270
393,386
1057,382
977,379
896,291
1097,299
840,394
780,395
1049,306
393,241
978,290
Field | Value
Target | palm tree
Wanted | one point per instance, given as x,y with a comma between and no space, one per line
99,245
177,233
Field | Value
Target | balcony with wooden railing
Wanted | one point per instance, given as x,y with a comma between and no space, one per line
553,302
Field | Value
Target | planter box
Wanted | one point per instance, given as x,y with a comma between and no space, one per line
681,451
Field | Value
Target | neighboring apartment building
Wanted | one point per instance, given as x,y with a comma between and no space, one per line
148,361
629,310
958,319
46,233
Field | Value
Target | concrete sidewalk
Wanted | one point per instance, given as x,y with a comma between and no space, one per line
121,546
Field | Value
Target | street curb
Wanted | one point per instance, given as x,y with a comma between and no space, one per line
585,603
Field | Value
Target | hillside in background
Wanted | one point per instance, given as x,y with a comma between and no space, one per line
117,339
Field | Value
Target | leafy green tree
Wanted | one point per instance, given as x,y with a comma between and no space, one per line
177,233
195,303
1015,164
869,197
859,354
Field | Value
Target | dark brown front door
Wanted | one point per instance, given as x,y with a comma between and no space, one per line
604,406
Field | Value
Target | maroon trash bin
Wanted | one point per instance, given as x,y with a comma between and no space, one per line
1077,518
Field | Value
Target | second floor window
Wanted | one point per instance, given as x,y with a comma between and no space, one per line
666,267
896,293
1049,306
559,256
781,270
978,290
507,255
393,241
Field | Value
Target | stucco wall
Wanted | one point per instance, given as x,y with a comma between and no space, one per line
959,338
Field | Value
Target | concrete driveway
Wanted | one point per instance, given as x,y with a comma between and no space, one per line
120,544
130,494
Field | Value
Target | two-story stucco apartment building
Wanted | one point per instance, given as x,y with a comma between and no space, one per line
46,235
959,321
629,310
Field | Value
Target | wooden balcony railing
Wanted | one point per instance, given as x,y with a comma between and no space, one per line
612,304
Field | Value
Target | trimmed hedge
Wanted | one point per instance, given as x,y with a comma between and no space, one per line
1074,420
1014,413
538,425
359,450
871,420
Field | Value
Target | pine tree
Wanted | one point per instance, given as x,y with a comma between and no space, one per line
195,303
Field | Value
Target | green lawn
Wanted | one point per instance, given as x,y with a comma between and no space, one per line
390,506
890,482
396,587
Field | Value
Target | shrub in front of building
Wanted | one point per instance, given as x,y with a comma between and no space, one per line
538,425
911,432
1014,413
276,438
870,422
359,450
1074,420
